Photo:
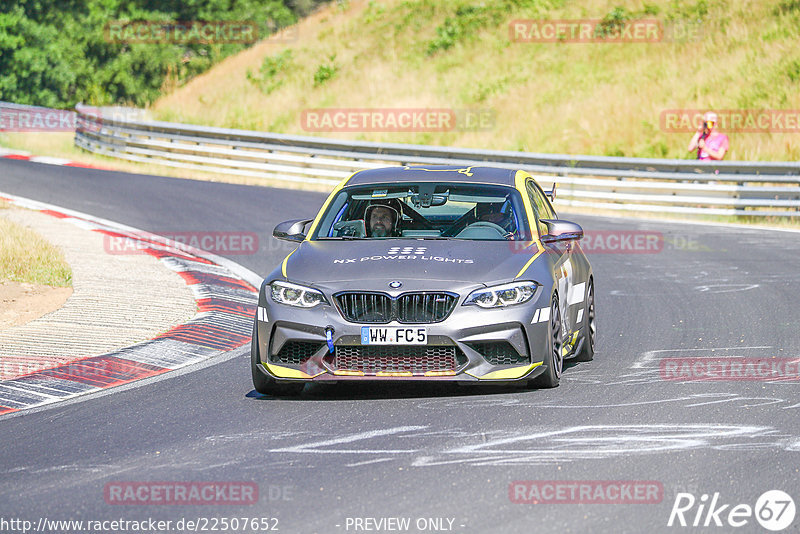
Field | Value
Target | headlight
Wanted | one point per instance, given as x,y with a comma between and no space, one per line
295,295
505,295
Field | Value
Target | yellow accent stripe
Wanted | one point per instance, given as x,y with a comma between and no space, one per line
328,200
508,374
465,171
569,344
440,373
519,182
345,372
394,373
283,265
286,372
318,218
530,261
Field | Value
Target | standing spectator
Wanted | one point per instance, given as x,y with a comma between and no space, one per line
709,143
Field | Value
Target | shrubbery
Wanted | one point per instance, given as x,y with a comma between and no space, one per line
55,53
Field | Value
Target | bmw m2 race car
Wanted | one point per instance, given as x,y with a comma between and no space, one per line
434,273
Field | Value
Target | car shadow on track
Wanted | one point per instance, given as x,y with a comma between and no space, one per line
383,390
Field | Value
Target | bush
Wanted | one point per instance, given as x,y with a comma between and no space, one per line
272,72
54,52
613,23
326,71
467,20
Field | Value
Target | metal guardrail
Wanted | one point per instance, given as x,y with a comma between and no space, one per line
638,184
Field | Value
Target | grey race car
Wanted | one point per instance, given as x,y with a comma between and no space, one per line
434,273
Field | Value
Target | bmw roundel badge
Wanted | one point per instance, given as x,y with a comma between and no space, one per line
394,284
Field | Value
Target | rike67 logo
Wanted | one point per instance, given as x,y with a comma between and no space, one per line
774,510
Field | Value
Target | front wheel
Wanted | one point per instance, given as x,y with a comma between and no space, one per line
555,358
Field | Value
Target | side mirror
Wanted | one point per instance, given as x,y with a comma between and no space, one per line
552,193
558,230
291,230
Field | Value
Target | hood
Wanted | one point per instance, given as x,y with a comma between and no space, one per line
481,262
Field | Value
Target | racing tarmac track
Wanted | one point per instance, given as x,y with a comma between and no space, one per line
421,451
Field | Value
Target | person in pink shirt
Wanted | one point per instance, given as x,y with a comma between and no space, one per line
709,143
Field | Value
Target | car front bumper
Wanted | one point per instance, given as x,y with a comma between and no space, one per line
472,345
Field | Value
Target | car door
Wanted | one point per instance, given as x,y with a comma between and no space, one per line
563,269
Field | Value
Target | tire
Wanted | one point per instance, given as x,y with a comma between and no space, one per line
589,327
555,358
265,384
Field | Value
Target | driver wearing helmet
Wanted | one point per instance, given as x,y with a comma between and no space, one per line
493,213
383,218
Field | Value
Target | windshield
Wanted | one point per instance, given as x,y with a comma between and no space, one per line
425,211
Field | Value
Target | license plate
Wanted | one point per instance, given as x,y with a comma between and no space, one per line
393,335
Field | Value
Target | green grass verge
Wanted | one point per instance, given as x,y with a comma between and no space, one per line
25,256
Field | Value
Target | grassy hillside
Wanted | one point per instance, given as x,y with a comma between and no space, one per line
578,98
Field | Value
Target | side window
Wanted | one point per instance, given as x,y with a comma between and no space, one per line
537,207
551,213
545,208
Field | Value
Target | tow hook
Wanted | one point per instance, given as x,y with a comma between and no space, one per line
329,337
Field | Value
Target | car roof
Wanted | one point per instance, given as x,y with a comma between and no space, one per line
435,173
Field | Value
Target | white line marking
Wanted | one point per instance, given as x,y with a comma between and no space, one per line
242,271
313,446
650,356
601,441
186,367
725,288
49,160
9,152
189,368
367,462
30,392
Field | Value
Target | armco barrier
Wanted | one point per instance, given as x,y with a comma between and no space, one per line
655,185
